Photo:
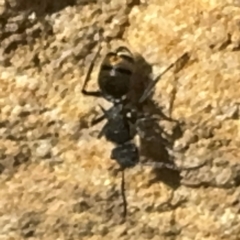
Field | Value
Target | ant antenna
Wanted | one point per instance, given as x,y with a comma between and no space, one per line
149,88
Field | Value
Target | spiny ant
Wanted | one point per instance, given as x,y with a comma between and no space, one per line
114,81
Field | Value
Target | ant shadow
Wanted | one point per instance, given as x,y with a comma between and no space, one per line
154,141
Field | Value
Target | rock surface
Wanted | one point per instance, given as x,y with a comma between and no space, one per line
58,181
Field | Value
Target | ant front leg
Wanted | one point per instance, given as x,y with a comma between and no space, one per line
87,78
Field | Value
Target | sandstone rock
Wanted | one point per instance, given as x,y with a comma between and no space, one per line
57,179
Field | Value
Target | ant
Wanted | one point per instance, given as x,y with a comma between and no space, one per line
121,127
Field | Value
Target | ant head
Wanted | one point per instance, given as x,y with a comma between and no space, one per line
126,155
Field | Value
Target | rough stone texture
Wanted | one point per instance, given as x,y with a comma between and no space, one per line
57,180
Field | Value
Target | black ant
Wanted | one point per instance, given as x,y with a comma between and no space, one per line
121,126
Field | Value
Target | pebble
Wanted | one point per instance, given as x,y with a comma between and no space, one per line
44,148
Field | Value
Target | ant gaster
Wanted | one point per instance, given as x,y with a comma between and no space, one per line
114,77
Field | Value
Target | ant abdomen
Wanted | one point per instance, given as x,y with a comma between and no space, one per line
115,75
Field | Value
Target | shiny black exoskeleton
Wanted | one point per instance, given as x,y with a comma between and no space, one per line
114,78
114,81
120,130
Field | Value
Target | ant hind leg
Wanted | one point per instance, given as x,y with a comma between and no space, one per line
152,84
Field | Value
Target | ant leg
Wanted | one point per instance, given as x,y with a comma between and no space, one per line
193,167
142,132
146,117
106,113
149,88
87,78
161,165
97,120
103,110
100,119
102,132
164,117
